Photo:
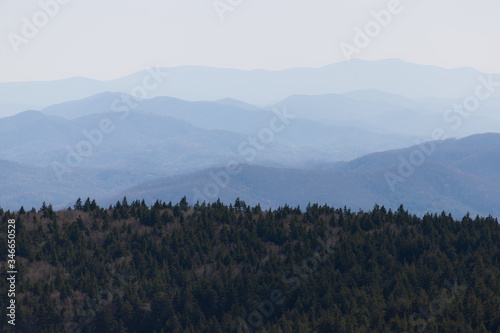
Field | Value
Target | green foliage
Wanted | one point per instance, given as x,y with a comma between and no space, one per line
210,268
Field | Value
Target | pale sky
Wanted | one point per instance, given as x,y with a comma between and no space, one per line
108,39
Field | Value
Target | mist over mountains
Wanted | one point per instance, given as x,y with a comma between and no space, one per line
330,135
258,87
461,175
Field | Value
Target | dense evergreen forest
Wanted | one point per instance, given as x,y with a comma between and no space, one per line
219,268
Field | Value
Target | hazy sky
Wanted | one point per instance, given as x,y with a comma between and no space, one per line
111,38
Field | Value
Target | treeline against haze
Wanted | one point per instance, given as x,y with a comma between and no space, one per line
234,268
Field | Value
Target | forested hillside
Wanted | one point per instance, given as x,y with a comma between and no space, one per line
220,268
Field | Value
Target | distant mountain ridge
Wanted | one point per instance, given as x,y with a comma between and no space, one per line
460,176
343,136
175,136
29,186
257,87
453,179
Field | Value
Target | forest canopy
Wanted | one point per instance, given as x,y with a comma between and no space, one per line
214,267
